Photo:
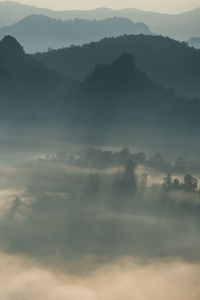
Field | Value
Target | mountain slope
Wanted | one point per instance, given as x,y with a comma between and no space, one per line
27,86
120,97
116,100
38,32
171,63
11,12
179,26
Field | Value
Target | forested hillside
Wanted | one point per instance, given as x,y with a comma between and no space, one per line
171,63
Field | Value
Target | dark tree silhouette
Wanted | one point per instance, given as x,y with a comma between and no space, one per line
190,183
125,185
176,184
167,182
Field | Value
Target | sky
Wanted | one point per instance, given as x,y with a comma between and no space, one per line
167,6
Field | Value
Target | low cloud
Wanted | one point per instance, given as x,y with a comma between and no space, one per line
126,280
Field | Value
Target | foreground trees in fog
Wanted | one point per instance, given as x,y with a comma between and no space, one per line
189,184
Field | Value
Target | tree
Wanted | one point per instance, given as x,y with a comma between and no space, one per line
125,184
176,184
190,183
167,183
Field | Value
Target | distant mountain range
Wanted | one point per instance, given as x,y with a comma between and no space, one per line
39,32
171,63
116,97
179,26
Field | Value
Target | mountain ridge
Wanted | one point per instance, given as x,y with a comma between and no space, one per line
40,32
169,62
117,96
180,26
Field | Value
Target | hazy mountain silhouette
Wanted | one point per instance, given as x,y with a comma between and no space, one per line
119,93
27,86
180,26
122,94
171,63
39,32
12,12
121,74
113,97
22,66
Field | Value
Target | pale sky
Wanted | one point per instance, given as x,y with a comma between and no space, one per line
168,6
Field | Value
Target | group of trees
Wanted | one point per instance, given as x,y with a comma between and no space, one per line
189,184
96,158
127,186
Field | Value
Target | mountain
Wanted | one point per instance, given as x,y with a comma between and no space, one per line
171,63
194,42
11,12
28,87
121,95
116,99
39,32
179,26
119,102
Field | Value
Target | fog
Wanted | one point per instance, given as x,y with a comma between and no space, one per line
129,279
82,205
74,216
100,178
